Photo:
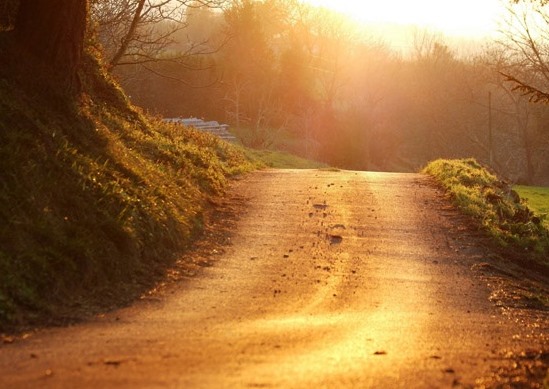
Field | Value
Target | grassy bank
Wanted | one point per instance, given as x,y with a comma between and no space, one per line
494,205
96,198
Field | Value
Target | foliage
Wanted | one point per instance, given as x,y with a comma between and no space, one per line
96,198
493,203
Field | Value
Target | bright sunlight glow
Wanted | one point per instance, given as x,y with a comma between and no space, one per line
464,18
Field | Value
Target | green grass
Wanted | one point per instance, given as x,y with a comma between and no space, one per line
537,198
493,204
274,148
282,160
96,199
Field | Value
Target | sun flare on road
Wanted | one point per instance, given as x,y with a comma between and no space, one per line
468,18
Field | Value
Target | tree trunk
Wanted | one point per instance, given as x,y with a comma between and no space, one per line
8,9
53,32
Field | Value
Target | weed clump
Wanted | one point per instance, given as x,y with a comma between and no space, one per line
493,203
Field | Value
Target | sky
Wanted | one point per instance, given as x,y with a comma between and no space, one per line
454,18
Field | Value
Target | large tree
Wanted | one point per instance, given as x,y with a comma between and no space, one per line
52,33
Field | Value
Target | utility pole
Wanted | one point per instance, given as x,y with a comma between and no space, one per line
490,140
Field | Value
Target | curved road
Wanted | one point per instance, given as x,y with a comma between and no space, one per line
332,279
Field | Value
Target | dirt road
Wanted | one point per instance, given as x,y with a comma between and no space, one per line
331,280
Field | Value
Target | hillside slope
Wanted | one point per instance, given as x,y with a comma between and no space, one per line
96,199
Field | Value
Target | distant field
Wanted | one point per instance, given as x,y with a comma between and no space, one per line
283,160
538,198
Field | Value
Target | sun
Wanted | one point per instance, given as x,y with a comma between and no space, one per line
466,18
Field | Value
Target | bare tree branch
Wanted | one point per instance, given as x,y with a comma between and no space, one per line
179,80
131,28
535,95
129,36
526,29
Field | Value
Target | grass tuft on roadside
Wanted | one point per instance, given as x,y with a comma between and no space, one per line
494,205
